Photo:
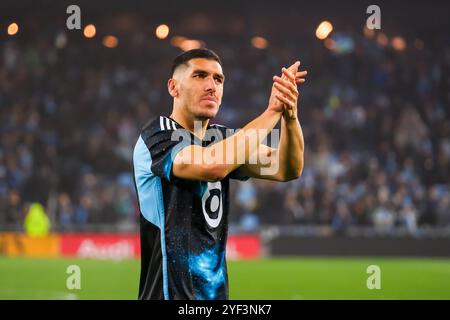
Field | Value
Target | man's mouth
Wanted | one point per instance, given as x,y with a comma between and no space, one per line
209,98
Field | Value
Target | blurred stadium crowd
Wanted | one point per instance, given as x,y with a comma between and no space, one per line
375,117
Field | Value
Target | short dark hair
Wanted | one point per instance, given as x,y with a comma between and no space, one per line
193,54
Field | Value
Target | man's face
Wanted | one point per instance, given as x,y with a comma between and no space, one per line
200,87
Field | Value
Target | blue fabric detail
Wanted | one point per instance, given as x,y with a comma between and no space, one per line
209,266
150,198
168,161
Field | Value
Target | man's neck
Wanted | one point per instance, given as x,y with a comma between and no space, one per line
196,126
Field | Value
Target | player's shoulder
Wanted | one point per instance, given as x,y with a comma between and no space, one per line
159,124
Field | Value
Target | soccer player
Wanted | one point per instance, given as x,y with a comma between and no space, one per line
183,192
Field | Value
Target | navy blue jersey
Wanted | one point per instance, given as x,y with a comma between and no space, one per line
183,223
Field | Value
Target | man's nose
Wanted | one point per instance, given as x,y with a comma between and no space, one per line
210,85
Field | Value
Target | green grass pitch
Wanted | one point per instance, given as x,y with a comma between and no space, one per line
289,278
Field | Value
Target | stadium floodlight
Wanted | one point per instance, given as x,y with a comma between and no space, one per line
259,42
110,41
324,29
13,28
89,31
162,31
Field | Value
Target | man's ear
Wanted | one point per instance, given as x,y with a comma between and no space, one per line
172,87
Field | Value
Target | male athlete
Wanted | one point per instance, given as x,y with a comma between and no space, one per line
183,191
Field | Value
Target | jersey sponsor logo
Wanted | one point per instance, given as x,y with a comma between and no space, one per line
212,204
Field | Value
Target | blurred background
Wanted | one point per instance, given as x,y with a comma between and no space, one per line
375,113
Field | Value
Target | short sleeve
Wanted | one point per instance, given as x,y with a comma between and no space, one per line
164,140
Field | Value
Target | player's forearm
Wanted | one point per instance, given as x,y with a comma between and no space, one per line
291,149
245,142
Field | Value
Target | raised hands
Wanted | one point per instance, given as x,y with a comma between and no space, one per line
284,95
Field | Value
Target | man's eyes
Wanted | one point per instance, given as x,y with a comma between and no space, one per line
202,76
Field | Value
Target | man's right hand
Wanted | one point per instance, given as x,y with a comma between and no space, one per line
274,103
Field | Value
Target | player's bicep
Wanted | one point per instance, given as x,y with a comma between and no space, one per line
183,167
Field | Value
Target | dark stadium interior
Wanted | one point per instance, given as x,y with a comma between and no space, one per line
375,116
